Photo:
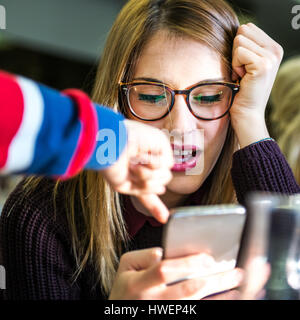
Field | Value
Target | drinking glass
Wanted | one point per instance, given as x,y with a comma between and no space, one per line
269,250
293,259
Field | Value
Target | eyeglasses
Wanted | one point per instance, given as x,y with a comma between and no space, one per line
152,101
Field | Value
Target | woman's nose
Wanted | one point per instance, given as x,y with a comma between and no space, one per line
180,118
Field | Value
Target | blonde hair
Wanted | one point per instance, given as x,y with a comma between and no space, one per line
285,114
102,232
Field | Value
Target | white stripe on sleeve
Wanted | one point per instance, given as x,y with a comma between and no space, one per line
22,147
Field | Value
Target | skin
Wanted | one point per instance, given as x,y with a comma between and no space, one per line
174,61
143,274
148,181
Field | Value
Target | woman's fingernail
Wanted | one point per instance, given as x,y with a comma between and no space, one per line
238,276
207,260
159,252
162,190
164,216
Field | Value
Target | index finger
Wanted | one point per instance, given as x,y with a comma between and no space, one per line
155,206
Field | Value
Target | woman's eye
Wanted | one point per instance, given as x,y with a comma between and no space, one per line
208,99
152,98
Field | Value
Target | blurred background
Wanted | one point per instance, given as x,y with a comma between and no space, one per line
59,43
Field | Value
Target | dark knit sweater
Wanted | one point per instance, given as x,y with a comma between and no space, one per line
35,243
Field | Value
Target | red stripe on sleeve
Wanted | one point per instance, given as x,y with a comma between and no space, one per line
11,112
87,139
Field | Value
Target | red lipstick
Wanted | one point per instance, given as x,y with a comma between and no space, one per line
185,157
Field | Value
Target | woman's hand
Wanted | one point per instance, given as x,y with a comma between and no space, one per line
143,275
144,168
256,59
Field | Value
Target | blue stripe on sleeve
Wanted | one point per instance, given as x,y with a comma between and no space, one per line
111,138
58,136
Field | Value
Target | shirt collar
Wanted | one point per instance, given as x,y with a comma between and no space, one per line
135,220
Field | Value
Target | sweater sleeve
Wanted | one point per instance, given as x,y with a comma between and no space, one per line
46,132
262,167
36,253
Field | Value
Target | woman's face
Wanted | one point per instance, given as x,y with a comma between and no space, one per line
181,63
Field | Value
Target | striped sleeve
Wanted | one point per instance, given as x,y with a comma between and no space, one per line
47,132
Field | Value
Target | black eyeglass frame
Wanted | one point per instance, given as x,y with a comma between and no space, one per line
126,86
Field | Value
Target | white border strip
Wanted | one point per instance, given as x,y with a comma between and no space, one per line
22,147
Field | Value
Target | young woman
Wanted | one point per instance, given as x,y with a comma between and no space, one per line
172,64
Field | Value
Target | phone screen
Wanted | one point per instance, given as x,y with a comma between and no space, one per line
215,230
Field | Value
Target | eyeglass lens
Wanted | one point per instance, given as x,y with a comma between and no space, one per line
151,102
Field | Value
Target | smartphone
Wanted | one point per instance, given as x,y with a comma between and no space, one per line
213,229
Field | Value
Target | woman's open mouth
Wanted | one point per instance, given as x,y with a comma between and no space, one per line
185,157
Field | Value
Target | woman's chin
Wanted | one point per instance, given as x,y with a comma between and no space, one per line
185,184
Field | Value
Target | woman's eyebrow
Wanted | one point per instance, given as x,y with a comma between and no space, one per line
159,81
148,79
